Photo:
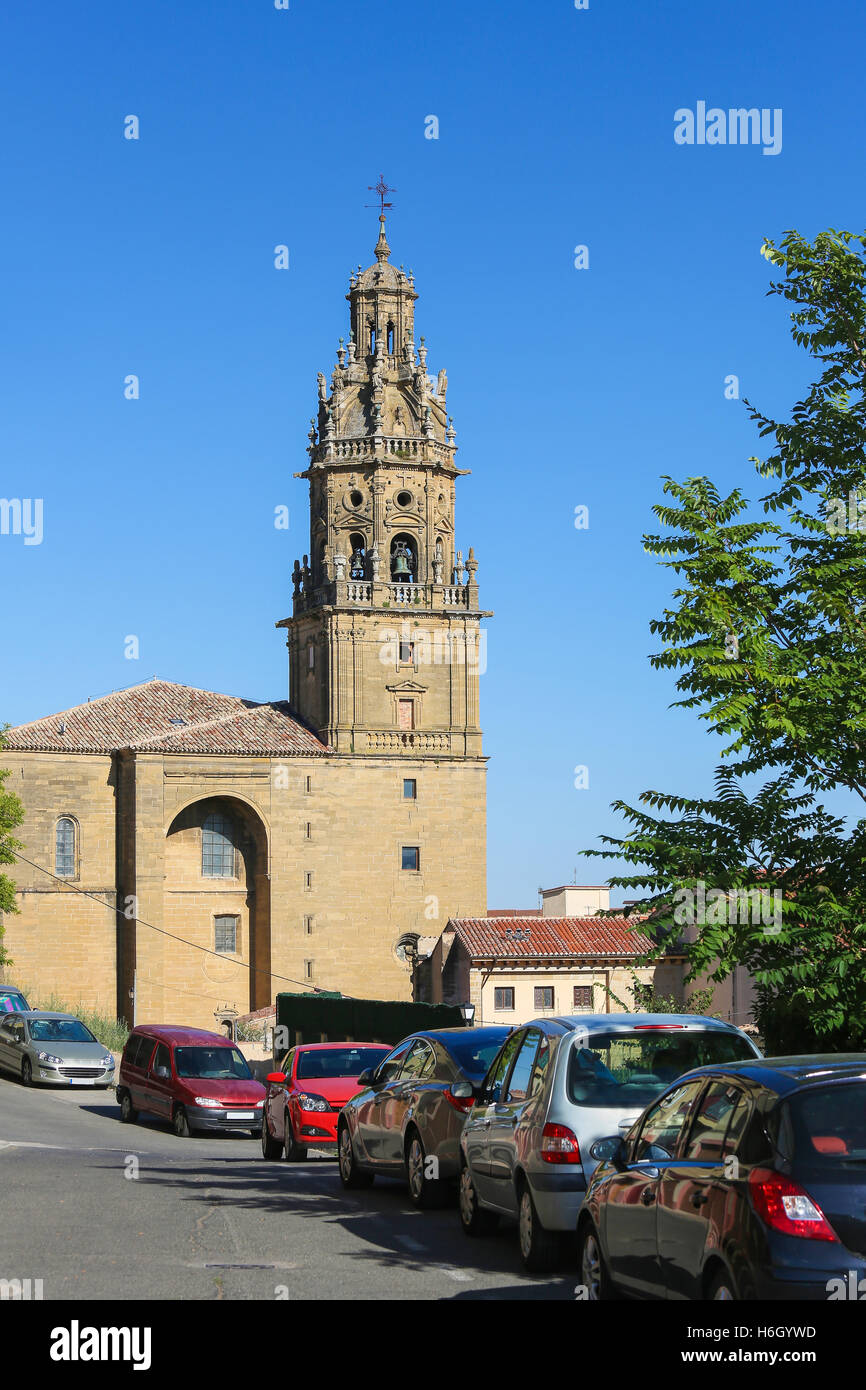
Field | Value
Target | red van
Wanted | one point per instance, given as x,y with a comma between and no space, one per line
193,1079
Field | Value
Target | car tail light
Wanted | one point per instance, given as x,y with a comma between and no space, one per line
461,1103
559,1145
785,1207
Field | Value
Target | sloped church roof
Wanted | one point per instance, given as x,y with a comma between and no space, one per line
163,717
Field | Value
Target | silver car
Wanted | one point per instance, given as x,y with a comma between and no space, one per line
555,1087
38,1046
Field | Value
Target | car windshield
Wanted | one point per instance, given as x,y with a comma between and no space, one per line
628,1070
218,1063
825,1126
338,1062
60,1030
474,1052
13,1003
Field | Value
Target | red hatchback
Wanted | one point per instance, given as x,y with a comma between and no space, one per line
306,1097
195,1080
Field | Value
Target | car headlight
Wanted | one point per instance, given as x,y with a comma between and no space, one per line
308,1102
107,1062
208,1102
51,1059
260,1104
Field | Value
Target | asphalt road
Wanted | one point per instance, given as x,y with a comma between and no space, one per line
208,1218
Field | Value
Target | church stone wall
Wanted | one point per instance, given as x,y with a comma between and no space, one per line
62,943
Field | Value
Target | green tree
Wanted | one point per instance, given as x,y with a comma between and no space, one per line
11,815
767,634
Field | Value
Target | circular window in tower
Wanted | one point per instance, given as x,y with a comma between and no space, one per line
404,499
356,498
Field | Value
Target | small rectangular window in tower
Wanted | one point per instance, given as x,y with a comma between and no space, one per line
406,714
410,857
410,789
309,784
308,831
308,879
226,935
308,970
308,926
407,653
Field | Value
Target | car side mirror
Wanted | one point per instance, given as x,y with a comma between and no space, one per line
366,1077
610,1150
275,1078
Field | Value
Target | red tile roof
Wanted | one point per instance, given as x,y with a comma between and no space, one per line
549,936
160,716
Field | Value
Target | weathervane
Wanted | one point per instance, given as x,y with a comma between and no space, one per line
381,188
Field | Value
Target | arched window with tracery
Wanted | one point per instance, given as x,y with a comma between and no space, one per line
64,848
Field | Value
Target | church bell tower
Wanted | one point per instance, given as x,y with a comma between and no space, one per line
385,641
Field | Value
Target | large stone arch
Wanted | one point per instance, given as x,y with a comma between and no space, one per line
192,900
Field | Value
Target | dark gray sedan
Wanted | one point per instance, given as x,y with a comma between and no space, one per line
407,1121
38,1046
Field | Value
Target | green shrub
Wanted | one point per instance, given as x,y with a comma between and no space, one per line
111,1032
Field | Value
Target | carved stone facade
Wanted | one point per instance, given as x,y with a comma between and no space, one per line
235,849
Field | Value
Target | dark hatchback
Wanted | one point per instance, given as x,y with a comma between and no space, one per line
407,1121
746,1181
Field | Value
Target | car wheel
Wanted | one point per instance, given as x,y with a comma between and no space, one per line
475,1220
593,1270
271,1147
128,1112
181,1123
295,1153
424,1192
26,1072
722,1288
351,1175
539,1249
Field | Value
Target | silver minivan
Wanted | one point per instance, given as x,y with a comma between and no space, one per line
555,1087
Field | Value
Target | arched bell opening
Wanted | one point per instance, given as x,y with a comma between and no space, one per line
358,560
404,560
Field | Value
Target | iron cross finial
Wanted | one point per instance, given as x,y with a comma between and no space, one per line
381,188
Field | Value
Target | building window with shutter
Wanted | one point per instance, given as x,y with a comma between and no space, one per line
226,935
583,996
543,997
503,998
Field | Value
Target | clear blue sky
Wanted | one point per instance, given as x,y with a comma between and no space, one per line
567,387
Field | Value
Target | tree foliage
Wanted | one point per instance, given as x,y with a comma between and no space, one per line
11,815
767,634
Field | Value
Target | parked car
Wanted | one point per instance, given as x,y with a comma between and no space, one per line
12,1000
741,1182
556,1086
307,1094
412,1109
194,1079
43,1047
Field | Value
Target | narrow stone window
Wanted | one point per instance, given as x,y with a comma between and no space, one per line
308,926
226,934
308,970
217,848
308,879
308,831
309,784
64,848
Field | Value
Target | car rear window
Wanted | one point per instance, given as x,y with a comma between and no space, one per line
629,1069
824,1126
218,1063
475,1050
327,1062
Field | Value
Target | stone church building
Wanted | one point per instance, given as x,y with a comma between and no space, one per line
301,844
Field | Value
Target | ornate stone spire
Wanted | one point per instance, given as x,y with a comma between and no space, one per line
383,250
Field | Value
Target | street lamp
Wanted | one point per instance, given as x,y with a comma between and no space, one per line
468,1012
